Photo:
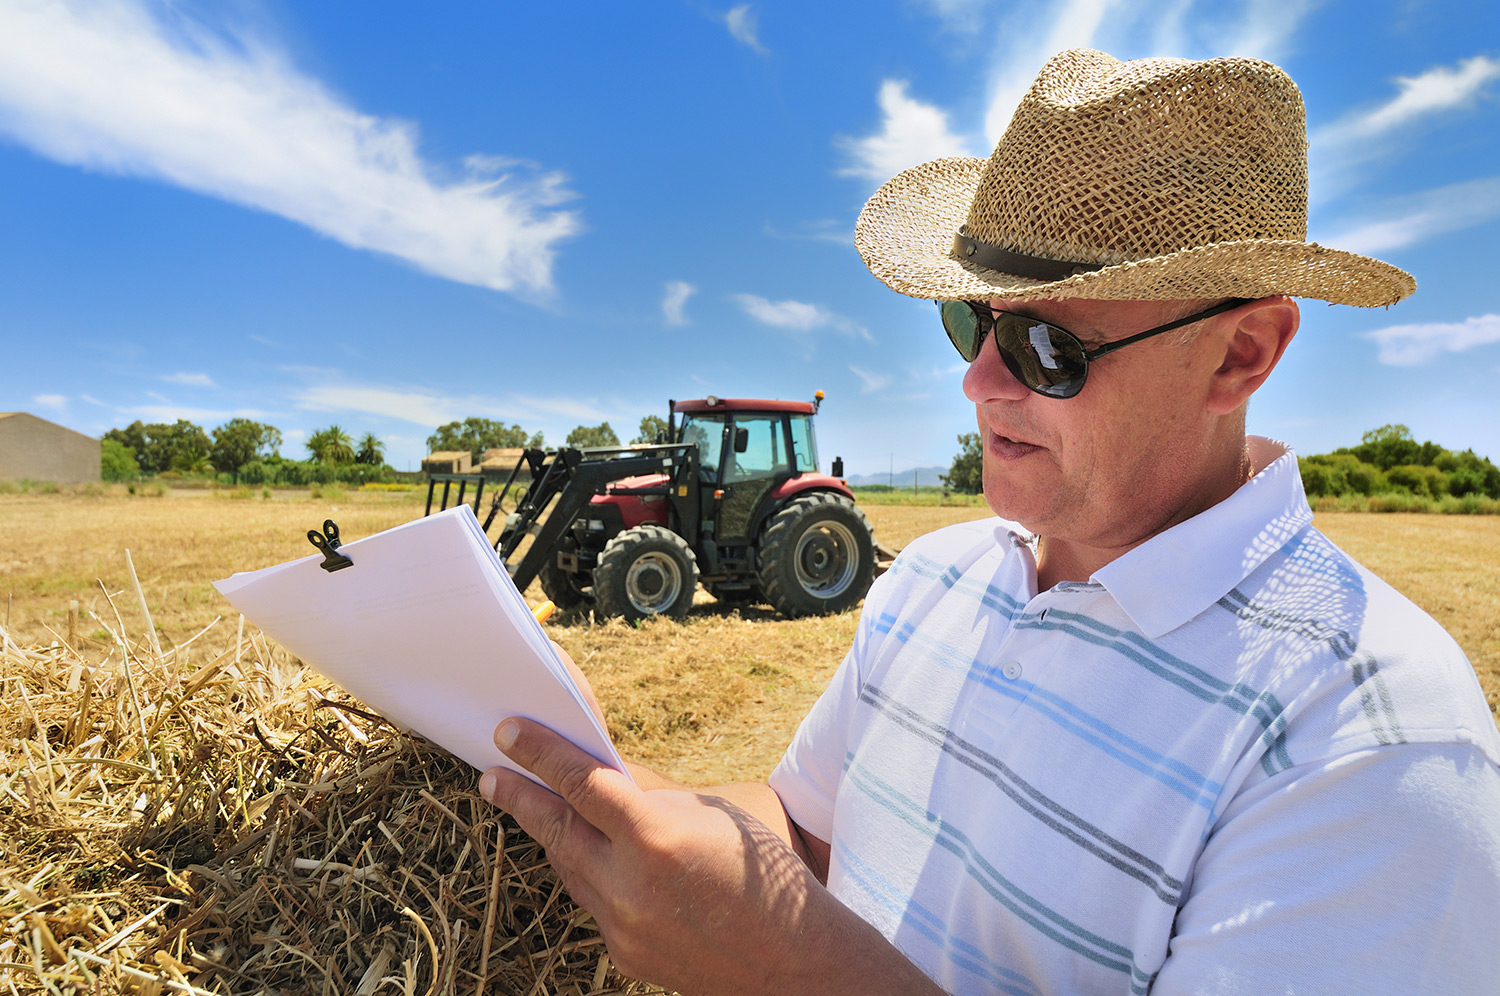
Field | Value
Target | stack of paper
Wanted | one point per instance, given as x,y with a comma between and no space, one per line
428,629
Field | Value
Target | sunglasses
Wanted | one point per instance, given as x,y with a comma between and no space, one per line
1049,360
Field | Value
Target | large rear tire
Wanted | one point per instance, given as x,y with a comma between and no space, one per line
817,556
562,587
645,571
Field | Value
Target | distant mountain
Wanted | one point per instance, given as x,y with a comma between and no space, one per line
924,476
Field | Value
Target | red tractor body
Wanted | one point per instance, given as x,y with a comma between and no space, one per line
733,498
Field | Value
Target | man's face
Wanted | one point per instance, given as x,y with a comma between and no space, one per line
1128,456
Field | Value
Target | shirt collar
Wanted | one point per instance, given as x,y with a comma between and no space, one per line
1177,574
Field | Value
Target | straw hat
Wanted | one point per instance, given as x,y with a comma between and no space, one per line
1148,180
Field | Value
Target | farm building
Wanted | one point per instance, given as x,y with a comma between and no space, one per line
34,449
498,463
447,462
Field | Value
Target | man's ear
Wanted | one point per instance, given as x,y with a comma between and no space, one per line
1254,344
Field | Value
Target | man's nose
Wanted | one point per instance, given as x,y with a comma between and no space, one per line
989,379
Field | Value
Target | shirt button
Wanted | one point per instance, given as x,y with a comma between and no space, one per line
1011,670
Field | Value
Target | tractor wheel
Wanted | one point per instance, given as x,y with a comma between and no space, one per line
561,586
645,571
817,555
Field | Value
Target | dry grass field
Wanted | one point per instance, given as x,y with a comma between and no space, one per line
714,699
208,817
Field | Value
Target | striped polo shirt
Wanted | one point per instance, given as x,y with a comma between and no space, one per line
1220,765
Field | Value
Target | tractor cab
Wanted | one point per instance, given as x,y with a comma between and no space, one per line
750,451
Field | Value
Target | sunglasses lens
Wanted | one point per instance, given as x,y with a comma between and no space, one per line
1045,358
962,325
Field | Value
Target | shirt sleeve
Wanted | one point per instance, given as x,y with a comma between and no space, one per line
808,776
1372,872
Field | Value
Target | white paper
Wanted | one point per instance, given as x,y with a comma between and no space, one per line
428,629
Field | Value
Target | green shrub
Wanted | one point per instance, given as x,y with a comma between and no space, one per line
1397,501
117,461
1469,504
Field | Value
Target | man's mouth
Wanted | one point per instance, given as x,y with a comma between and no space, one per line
1008,446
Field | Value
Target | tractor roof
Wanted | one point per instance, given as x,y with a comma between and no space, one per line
743,405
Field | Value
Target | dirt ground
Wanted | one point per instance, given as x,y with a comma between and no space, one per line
713,699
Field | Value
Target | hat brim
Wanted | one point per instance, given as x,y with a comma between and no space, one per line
905,235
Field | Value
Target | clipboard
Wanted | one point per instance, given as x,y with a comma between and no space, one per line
423,624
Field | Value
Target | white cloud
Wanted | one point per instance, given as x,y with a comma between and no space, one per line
410,406
206,417
1026,34
1019,55
1335,150
431,409
1423,216
56,402
1130,29
797,316
959,16
672,303
911,133
1264,28
92,400
573,408
840,233
744,28
1411,345
871,382
189,379
121,87
1440,88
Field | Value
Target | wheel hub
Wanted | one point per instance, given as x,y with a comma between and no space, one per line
653,583
826,560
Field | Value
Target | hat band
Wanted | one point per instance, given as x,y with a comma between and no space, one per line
1035,267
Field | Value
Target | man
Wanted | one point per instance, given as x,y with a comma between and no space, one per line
1147,731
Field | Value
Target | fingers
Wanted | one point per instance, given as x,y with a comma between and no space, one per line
601,795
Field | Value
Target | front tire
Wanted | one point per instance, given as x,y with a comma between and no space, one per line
561,586
645,571
817,556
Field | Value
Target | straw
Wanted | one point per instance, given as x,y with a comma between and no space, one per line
247,828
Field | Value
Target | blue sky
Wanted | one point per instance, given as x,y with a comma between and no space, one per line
389,215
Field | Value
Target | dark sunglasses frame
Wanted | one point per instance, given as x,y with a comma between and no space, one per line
982,321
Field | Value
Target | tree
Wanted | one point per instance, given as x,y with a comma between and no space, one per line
239,441
331,446
653,429
584,436
967,472
182,446
158,446
133,438
117,461
479,434
371,450
1390,446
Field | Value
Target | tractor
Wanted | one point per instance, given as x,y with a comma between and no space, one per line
731,497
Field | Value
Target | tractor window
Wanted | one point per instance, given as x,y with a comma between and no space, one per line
765,451
708,433
804,447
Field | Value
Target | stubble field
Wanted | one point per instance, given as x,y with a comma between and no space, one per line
713,699
203,816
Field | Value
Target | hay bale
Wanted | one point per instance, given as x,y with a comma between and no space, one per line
242,827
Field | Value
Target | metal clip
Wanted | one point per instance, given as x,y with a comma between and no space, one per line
328,543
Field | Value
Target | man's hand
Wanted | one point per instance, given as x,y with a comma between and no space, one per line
689,891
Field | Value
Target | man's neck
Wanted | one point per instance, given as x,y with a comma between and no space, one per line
1060,560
